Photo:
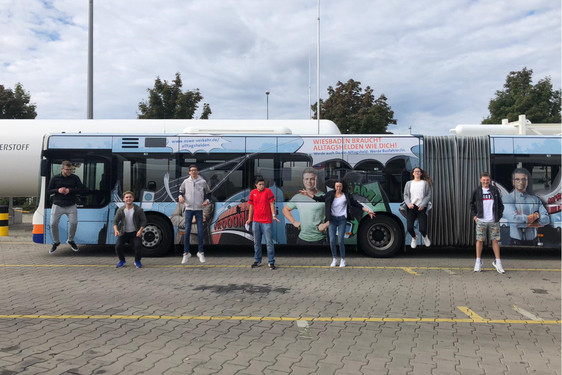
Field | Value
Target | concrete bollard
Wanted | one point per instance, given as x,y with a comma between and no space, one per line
3,221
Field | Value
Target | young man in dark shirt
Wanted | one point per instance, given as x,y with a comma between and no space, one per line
486,207
64,188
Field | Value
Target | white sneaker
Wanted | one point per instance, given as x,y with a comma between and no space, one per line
498,266
334,262
185,258
342,263
414,243
426,241
201,257
478,266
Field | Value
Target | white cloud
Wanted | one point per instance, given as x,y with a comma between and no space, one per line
438,63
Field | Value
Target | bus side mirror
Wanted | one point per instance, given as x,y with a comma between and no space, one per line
44,168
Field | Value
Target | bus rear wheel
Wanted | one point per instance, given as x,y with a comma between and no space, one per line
380,237
157,237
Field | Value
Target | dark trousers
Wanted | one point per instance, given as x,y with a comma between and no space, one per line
421,216
131,239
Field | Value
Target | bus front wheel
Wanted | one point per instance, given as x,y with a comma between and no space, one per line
380,237
157,237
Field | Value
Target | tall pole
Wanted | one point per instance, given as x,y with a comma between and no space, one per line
267,104
91,61
318,69
309,88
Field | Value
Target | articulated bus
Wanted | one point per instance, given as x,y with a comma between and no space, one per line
375,169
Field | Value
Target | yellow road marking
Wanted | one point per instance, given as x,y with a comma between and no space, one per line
473,318
410,270
472,315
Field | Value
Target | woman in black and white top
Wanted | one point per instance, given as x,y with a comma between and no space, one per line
417,196
338,204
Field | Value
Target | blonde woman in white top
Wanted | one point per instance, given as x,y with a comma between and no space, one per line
417,196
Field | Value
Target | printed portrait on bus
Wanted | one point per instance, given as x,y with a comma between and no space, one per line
310,222
524,211
531,216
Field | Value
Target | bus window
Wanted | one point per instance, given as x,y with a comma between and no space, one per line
156,170
391,178
139,173
224,173
292,169
542,168
334,170
263,167
92,172
127,177
543,176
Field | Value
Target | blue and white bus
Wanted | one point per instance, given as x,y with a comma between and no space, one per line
374,167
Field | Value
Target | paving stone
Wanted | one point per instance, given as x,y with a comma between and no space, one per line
215,345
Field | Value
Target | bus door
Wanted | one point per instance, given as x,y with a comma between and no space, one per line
92,202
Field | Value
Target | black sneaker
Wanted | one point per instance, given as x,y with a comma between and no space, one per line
73,245
272,266
256,264
54,247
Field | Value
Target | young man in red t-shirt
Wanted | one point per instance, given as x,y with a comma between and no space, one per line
262,213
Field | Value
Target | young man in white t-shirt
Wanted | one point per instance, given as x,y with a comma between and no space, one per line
486,208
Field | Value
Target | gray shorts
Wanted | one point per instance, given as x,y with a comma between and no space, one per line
483,228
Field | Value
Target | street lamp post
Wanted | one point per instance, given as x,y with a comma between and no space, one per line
90,95
267,104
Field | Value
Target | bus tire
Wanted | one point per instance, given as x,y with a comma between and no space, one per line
381,237
157,236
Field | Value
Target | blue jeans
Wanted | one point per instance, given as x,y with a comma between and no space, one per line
199,220
260,229
337,223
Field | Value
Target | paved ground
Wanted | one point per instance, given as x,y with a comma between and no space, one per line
424,312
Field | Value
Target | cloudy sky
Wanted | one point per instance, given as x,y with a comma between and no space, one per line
438,62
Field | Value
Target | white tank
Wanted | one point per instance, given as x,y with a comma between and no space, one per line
473,130
508,129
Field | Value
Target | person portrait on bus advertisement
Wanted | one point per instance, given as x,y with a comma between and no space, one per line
64,188
312,224
417,197
486,208
194,194
337,209
524,211
128,224
178,220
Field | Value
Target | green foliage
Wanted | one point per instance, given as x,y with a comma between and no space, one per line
167,101
206,111
540,103
355,111
15,104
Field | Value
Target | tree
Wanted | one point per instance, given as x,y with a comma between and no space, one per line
540,103
355,111
167,101
15,104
